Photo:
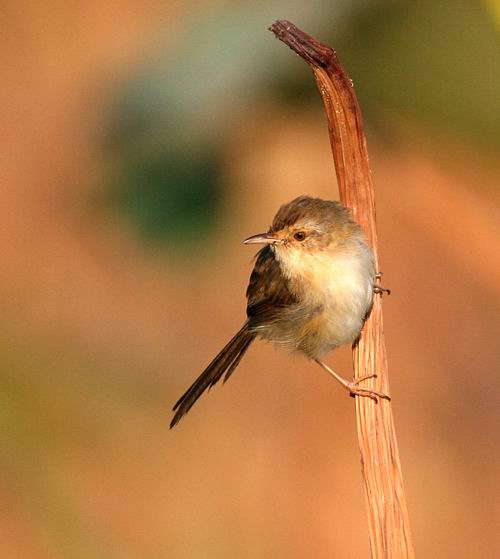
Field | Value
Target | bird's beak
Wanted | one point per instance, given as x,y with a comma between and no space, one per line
261,239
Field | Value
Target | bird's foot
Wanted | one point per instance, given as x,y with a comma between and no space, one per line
380,289
353,386
356,390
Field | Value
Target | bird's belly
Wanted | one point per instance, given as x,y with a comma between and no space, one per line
328,329
334,297
315,328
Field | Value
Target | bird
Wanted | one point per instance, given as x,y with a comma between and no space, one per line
310,291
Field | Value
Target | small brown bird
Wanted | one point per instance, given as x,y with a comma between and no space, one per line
311,290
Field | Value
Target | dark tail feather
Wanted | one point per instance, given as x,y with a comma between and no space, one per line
225,362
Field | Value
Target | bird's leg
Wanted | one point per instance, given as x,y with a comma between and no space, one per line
377,288
381,289
353,387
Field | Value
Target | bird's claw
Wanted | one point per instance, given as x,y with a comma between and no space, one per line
355,390
380,289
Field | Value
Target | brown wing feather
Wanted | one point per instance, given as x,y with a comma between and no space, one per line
268,290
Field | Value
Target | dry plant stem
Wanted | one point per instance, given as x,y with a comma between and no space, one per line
389,527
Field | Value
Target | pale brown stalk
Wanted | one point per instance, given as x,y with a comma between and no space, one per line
389,527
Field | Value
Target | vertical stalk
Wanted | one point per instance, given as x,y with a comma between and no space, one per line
389,526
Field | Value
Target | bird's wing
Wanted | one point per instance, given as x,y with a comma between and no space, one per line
268,290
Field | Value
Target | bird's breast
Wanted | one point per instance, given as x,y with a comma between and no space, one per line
334,292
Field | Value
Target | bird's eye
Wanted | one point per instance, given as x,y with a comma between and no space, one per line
299,236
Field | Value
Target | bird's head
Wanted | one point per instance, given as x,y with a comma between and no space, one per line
307,226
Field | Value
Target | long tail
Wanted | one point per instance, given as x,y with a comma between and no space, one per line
225,362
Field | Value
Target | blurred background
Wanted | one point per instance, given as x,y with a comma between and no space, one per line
141,141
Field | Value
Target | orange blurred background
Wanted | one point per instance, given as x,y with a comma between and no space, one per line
141,142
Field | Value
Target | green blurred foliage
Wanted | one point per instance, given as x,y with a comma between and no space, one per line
437,63
173,198
168,121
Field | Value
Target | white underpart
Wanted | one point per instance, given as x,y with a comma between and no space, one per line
340,284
